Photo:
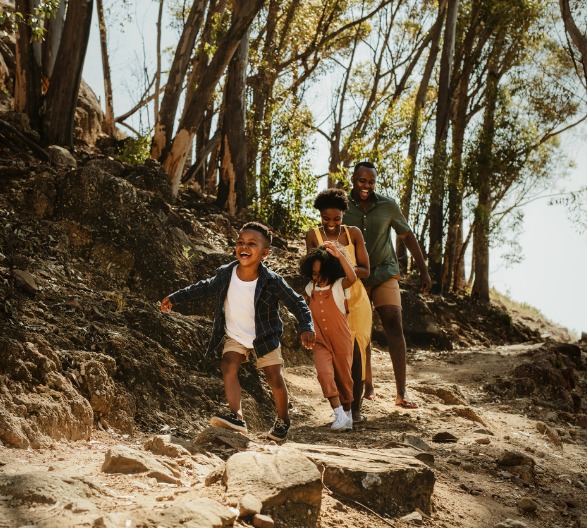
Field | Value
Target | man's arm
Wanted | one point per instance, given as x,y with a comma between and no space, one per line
409,239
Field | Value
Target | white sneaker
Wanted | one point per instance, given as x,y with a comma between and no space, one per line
341,420
349,414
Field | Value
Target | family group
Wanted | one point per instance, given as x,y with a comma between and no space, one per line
351,267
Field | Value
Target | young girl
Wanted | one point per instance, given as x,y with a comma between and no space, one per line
331,275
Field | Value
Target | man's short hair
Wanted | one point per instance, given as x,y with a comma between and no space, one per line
260,228
332,199
366,164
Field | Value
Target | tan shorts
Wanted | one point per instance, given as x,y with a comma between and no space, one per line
385,294
271,358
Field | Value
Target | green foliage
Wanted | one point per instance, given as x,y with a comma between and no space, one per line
9,20
134,150
289,185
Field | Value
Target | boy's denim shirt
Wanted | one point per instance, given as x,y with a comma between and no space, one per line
271,288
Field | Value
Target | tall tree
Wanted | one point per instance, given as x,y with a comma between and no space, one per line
195,112
437,186
50,102
108,126
415,129
578,38
233,161
175,82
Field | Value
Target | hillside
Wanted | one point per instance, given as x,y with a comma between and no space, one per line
88,364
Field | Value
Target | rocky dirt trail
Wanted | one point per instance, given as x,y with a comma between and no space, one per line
498,461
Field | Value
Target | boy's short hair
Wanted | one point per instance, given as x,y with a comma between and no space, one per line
260,228
330,267
332,199
366,164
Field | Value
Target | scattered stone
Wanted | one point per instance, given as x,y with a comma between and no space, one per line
449,394
214,476
61,157
162,445
278,477
415,441
469,414
413,518
263,521
199,513
444,437
483,431
511,523
520,465
581,420
551,434
483,441
339,506
249,505
25,281
223,437
81,506
528,505
122,459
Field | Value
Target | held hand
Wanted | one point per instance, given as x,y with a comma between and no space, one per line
426,282
308,340
166,305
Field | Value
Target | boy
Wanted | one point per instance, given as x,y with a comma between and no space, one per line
247,311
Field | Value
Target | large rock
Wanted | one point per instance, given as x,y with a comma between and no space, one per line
122,459
283,479
390,481
199,513
37,402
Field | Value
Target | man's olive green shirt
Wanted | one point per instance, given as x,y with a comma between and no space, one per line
376,224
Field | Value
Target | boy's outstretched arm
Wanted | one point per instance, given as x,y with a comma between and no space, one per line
296,304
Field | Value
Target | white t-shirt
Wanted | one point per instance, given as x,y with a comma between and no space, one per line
239,310
338,292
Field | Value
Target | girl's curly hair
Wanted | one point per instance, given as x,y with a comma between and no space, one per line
330,268
332,199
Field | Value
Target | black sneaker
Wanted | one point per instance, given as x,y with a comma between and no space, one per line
279,430
229,421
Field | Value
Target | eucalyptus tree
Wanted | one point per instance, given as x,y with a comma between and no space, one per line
50,55
437,184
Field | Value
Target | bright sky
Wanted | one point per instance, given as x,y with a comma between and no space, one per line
550,277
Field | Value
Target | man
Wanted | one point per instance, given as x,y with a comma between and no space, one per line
375,215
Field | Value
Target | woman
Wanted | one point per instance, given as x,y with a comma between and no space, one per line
332,203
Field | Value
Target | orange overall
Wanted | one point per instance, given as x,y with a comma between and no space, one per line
333,351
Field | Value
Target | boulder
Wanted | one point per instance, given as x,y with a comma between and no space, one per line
122,459
390,481
199,513
286,482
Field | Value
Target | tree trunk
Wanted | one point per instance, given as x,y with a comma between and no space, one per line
174,86
194,114
108,126
27,89
485,162
415,125
54,27
578,38
262,96
439,160
61,98
158,70
233,167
